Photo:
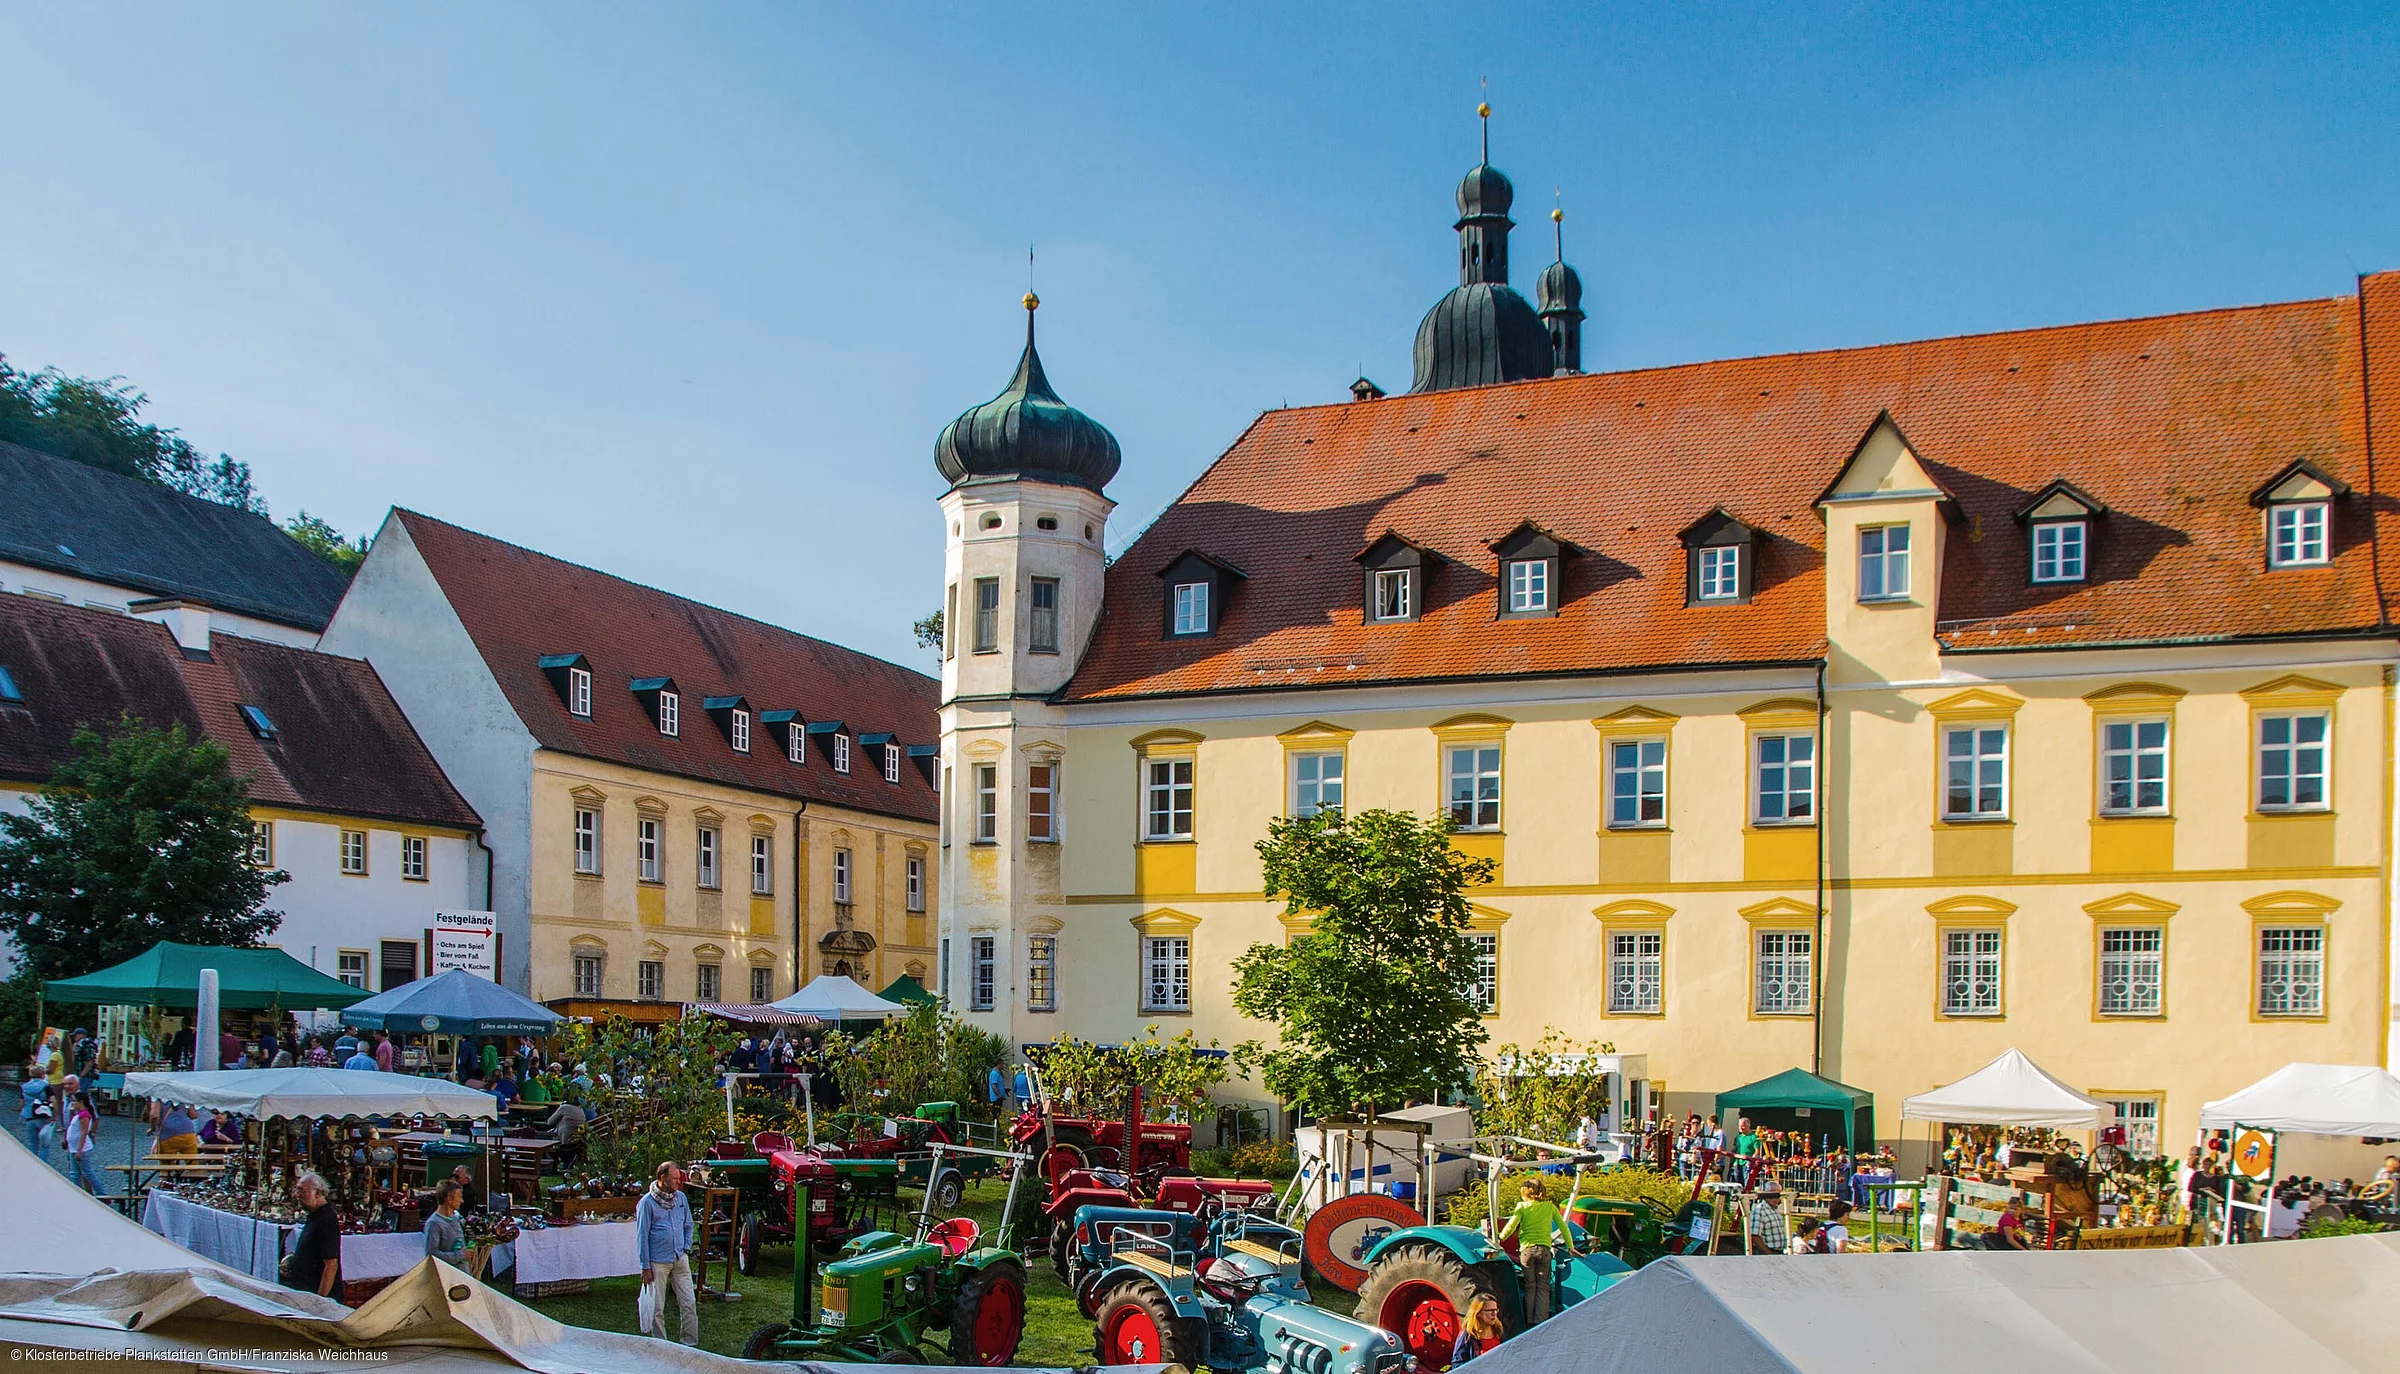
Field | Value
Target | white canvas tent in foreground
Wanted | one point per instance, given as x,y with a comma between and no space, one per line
2295,1307
2010,1091
308,1092
831,997
2315,1099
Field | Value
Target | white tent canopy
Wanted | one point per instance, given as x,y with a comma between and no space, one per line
2295,1307
2010,1091
831,997
2316,1099
314,1092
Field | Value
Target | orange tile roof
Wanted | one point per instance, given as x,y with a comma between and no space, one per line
2172,421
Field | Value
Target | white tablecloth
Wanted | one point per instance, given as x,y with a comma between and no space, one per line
255,1247
597,1251
387,1255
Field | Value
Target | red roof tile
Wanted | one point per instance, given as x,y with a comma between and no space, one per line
519,605
2172,421
341,743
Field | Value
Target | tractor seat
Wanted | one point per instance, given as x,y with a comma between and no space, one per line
1229,1281
768,1142
956,1236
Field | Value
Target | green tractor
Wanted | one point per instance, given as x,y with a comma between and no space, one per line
892,1299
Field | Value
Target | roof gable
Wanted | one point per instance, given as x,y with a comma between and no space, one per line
1884,465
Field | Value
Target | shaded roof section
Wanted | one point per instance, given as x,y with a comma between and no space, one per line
132,533
2172,421
341,744
520,606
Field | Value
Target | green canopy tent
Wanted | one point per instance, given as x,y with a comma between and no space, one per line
906,988
1797,1100
168,975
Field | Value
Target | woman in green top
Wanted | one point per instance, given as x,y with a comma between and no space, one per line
535,1089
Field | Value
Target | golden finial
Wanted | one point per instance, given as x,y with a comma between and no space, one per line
1032,301
1483,111
1558,216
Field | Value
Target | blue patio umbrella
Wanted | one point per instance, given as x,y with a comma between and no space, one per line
452,1003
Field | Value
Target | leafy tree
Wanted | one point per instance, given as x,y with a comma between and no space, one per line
926,1056
662,1096
1376,1002
99,424
328,543
141,836
928,631
1176,1076
1542,1092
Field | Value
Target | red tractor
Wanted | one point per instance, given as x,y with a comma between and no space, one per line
1091,1162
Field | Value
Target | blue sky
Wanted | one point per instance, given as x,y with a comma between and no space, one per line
686,292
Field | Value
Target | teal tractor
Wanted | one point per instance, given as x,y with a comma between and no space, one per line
1422,1279
1223,1293
887,1298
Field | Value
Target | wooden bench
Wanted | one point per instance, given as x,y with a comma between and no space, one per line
1144,1259
1257,1251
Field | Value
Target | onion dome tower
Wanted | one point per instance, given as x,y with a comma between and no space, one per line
1560,293
1027,432
1483,331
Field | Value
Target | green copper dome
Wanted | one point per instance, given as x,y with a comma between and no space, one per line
1027,432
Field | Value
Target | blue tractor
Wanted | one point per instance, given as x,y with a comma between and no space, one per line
1224,1293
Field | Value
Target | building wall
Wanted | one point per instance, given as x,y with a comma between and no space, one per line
102,596
675,922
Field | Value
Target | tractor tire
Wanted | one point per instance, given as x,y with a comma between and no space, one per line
1137,1325
748,1242
761,1345
988,1323
1062,1249
946,1190
1074,1138
1421,1294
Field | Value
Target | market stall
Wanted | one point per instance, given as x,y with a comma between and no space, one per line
454,1002
2001,1141
1834,1115
907,989
166,978
2307,1100
832,997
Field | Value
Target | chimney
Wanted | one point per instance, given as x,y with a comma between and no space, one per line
188,620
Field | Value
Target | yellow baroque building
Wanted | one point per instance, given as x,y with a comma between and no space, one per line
1871,711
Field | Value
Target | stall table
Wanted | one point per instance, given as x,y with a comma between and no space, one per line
594,1250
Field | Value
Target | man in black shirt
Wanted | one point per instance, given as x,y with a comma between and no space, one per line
315,1264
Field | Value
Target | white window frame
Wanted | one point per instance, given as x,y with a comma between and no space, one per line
1640,780
262,844
2286,760
762,865
987,615
354,853
2299,534
761,974
841,877
891,764
2061,550
987,803
1041,973
795,743
1395,594
1166,973
650,980
595,965
1475,768
2142,763
1168,797
707,846
1041,626
1980,761
983,972
1783,768
587,839
2290,971
670,713
1487,970
1190,601
841,752
1528,586
741,730
1041,803
579,692
1637,964
708,982
916,884
416,858
1320,792
1784,971
2141,1126
1720,573
1973,965
350,966
1883,552
649,864
2133,971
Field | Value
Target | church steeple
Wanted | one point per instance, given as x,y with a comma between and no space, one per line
1484,196
1483,332
1559,293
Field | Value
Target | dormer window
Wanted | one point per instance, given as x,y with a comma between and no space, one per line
732,715
1195,588
1398,575
1529,570
1528,584
661,701
789,733
796,746
2299,506
891,764
841,753
2058,530
741,732
670,713
571,677
579,691
1720,554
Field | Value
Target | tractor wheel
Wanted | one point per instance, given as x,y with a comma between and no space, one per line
762,1342
989,1322
748,1242
1138,1326
1062,1249
1420,1294
946,1189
